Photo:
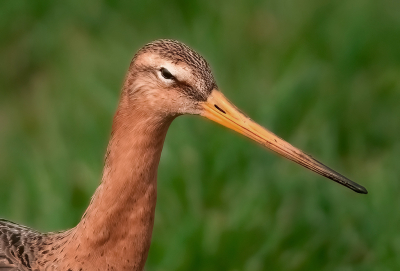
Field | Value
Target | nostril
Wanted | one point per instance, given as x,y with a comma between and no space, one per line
216,106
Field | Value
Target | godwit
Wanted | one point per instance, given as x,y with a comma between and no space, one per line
165,79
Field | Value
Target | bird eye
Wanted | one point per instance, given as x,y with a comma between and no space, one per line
166,74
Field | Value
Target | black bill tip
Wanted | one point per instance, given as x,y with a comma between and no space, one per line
359,189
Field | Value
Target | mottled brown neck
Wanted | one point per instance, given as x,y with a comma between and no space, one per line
116,229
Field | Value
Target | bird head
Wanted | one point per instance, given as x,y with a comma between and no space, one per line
170,78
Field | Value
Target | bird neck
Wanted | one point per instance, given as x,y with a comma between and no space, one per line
116,229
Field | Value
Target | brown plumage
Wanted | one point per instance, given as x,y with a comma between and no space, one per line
165,79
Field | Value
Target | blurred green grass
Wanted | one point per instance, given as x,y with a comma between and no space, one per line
324,75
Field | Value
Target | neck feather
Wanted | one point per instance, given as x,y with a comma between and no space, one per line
116,229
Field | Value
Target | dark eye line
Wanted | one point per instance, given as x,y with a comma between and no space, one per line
166,74
183,85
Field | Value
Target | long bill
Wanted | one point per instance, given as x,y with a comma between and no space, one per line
222,111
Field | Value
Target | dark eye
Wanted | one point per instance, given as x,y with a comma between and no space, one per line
166,74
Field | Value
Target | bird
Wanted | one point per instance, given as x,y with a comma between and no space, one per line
165,79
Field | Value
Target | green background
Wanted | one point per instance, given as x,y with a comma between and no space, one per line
323,75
